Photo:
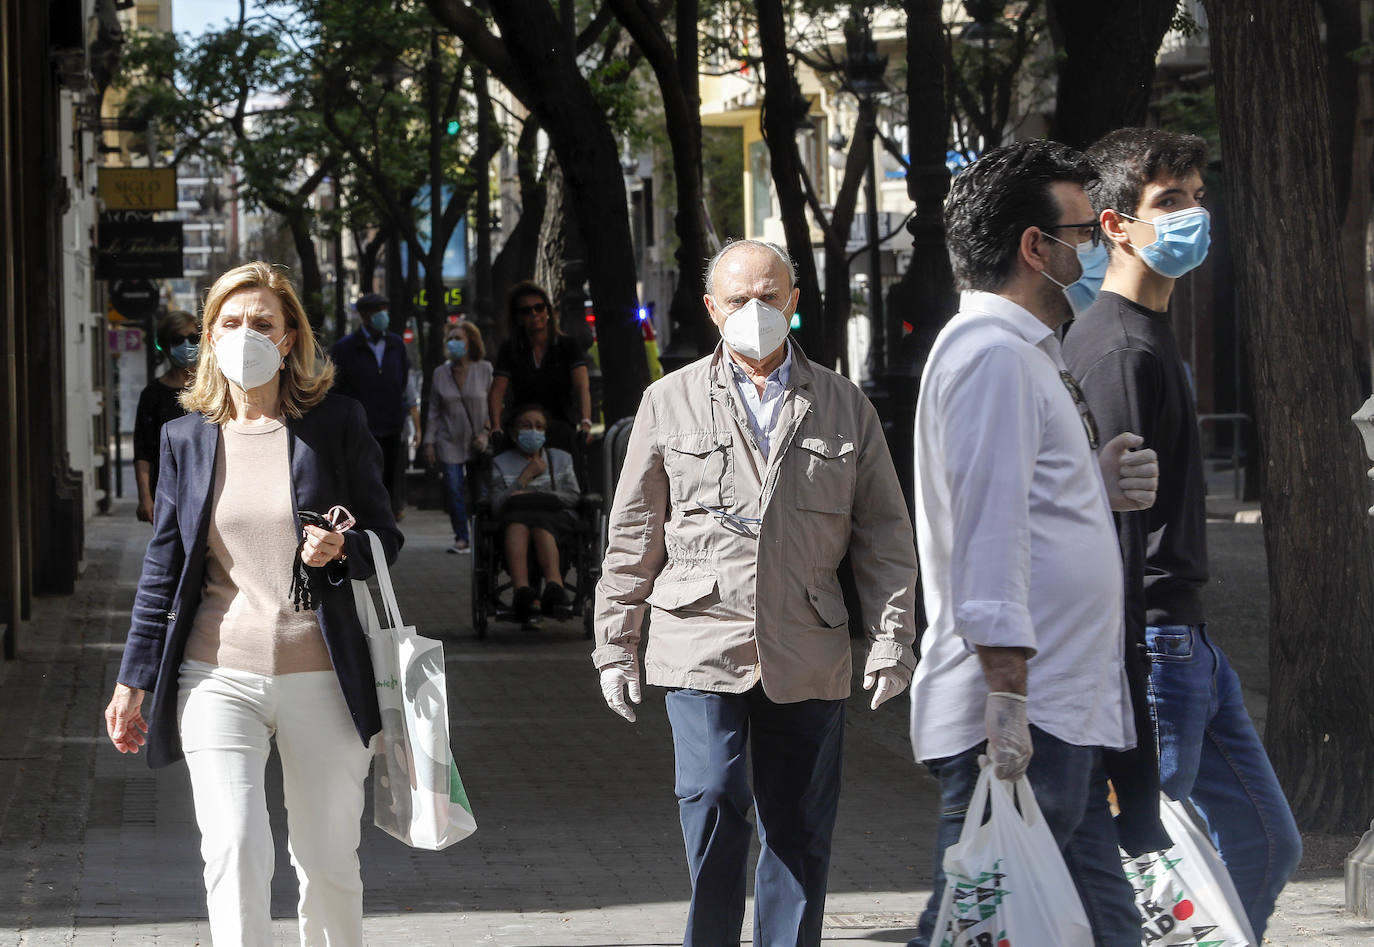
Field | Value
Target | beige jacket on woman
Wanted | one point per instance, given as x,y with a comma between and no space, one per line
735,602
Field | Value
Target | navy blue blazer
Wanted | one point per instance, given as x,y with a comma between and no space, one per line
380,388
334,460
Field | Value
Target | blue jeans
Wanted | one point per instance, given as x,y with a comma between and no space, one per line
453,501
796,751
1210,754
1071,789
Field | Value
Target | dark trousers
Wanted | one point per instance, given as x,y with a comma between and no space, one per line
393,468
796,750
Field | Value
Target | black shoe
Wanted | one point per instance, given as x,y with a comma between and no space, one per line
522,602
554,601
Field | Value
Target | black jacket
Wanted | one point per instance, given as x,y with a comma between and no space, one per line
334,460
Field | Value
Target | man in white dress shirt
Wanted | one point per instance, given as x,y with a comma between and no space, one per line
1023,657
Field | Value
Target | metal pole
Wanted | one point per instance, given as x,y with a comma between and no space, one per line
877,352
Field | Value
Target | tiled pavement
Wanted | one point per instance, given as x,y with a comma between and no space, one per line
577,843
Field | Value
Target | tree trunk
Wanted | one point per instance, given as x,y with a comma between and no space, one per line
679,85
924,296
548,264
519,255
486,133
312,283
780,131
1275,137
1344,37
1107,64
579,132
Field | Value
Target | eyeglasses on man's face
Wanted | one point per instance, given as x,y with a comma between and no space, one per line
1081,403
1088,230
534,309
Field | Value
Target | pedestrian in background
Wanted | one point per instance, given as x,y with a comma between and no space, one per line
1148,198
749,476
1023,656
540,365
230,663
456,430
178,341
371,366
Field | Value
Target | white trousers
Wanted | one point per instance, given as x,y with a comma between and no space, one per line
227,720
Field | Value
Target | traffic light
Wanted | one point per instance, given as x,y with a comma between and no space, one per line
796,321
453,127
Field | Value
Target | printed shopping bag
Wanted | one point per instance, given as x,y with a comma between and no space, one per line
1185,894
1005,881
418,795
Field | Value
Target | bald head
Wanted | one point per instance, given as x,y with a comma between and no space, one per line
770,251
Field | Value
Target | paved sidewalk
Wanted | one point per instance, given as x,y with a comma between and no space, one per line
578,841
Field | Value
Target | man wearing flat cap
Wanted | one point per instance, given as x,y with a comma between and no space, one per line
371,365
750,474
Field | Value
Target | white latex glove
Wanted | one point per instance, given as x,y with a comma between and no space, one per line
1009,739
615,682
889,685
1131,475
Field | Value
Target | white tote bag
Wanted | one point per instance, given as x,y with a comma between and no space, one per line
1005,880
418,795
1185,894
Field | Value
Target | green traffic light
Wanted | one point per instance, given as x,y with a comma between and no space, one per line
796,320
453,126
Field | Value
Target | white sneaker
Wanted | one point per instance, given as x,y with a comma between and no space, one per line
455,548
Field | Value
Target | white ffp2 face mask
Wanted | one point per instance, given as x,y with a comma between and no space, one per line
248,358
755,330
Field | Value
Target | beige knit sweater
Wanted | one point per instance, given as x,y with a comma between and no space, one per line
246,620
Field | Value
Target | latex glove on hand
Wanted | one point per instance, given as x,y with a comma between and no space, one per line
616,681
1009,739
1131,475
889,684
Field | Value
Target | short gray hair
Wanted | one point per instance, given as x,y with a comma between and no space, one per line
780,252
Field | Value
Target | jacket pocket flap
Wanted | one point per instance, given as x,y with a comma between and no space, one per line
828,447
681,593
697,443
828,605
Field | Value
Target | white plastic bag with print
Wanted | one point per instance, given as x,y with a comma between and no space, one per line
418,795
1005,881
1185,894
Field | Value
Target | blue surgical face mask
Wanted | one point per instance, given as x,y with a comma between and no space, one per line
457,348
1082,292
185,354
1182,238
530,440
379,320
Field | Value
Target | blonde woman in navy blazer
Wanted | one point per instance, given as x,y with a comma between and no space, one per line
216,651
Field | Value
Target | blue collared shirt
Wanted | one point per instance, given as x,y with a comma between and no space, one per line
762,408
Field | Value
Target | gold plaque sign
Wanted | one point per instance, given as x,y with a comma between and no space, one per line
138,188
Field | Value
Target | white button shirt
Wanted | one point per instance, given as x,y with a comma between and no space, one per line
1017,546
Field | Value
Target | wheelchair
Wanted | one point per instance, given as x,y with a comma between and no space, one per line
579,556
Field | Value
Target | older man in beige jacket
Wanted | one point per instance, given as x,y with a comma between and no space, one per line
749,475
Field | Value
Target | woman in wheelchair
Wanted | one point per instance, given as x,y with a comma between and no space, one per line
533,493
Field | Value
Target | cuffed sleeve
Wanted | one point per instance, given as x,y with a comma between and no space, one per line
990,459
882,551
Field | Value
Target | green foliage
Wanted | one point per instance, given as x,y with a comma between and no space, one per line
1192,112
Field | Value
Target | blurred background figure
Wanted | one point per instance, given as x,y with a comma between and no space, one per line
540,365
456,431
178,343
533,491
371,366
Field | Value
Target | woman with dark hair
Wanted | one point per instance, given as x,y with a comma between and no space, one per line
540,365
244,629
456,429
533,492
178,342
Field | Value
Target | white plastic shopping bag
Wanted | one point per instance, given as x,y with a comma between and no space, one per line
418,795
1185,894
1005,880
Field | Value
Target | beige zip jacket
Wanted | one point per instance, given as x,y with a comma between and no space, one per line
734,601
